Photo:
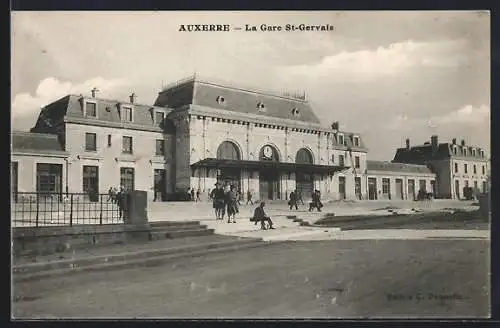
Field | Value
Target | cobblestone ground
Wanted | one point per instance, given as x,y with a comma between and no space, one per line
395,278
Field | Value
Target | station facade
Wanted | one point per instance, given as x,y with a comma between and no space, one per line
198,132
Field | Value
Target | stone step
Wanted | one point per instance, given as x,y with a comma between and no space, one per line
159,223
35,271
177,227
156,235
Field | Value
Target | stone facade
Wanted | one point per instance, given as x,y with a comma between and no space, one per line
213,132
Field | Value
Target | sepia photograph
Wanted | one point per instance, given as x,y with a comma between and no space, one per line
250,165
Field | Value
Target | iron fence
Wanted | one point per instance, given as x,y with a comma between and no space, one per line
32,209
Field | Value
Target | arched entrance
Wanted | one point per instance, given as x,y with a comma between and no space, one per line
269,186
229,176
304,181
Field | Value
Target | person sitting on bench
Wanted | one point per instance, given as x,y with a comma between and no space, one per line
260,216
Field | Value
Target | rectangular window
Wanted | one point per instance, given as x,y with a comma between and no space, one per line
127,177
49,178
127,147
484,186
342,194
475,186
456,167
159,117
473,152
483,169
341,160
423,185
474,169
90,109
357,186
455,150
356,141
160,147
386,186
341,139
90,179
109,140
356,162
465,168
90,142
126,114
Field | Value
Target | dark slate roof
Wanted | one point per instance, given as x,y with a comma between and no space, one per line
71,107
396,167
205,93
349,140
36,142
424,153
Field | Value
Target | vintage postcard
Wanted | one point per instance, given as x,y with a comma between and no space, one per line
242,165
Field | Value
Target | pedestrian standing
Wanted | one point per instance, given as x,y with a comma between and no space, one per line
293,200
192,194
299,197
249,197
198,194
232,205
218,197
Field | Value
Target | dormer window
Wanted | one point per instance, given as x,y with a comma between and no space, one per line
465,151
261,107
126,114
341,139
455,150
221,100
295,111
473,152
90,108
356,141
159,117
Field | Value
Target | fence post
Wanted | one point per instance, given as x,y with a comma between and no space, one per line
71,211
37,209
100,213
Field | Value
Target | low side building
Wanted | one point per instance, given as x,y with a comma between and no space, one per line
398,181
38,163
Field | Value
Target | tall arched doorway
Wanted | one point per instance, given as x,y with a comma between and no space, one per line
269,178
304,181
229,176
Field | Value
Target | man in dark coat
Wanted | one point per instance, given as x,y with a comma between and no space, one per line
316,201
293,200
219,201
260,216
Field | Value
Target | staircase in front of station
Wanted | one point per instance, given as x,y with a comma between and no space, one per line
177,229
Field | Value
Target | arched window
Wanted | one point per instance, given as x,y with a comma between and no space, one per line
228,150
303,156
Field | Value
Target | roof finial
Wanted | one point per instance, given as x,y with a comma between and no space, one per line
94,91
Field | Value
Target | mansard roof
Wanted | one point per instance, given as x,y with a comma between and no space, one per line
108,113
224,96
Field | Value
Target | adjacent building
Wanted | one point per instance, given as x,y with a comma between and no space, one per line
458,167
199,132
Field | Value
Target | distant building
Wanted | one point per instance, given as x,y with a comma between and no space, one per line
457,166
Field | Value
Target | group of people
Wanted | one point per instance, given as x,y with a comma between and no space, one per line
223,200
296,196
227,202
118,196
197,195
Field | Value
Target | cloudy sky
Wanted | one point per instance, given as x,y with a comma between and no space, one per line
386,75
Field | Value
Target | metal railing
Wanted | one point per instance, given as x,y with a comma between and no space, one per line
32,209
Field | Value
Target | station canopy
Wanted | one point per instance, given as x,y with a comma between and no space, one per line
256,165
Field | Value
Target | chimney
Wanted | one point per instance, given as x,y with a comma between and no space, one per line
407,144
94,91
454,141
434,143
463,143
132,98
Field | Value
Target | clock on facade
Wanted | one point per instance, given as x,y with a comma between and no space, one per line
268,152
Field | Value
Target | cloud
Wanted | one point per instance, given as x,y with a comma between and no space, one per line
469,115
385,61
51,89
